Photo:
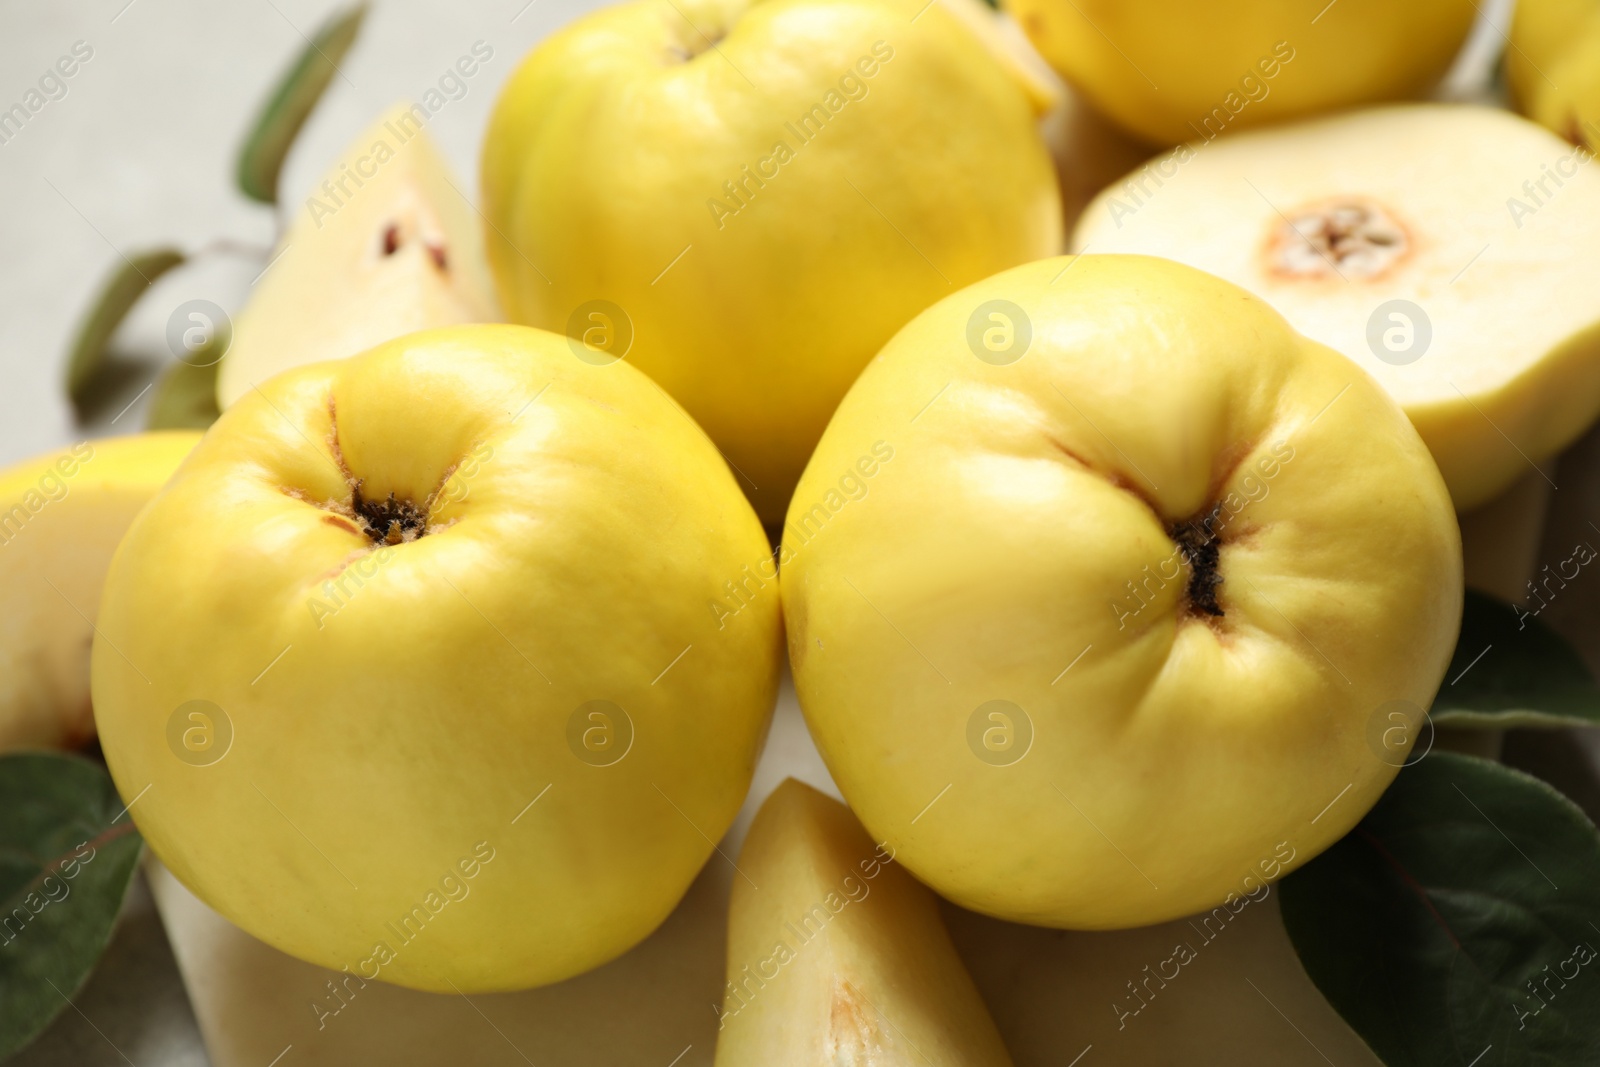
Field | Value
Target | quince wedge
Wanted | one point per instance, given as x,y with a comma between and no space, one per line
1113,629
411,666
1441,247
1170,71
746,199
385,245
838,956
61,517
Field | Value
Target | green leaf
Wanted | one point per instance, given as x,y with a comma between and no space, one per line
291,103
117,297
1461,917
1510,670
185,397
64,868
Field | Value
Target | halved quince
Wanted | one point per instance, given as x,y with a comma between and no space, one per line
1449,250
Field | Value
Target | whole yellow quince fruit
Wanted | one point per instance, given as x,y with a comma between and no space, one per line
409,672
1174,70
1553,66
746,199
61,517
1107,593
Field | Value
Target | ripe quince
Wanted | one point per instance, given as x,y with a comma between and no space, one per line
746,199
1174,70
1122,621
61,517
1438,246
385,245
409,672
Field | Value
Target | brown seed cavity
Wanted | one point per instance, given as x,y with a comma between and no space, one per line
1353,238
1200,542
390,521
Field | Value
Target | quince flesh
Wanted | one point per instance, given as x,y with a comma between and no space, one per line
385,245
837,956
1435,245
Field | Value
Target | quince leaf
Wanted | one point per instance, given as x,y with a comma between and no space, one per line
67,855
185,397
121,291
1459,923
1511,670
286,110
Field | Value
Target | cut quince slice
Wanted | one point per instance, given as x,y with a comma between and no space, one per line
838,956
1449,250
385,245
61,518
